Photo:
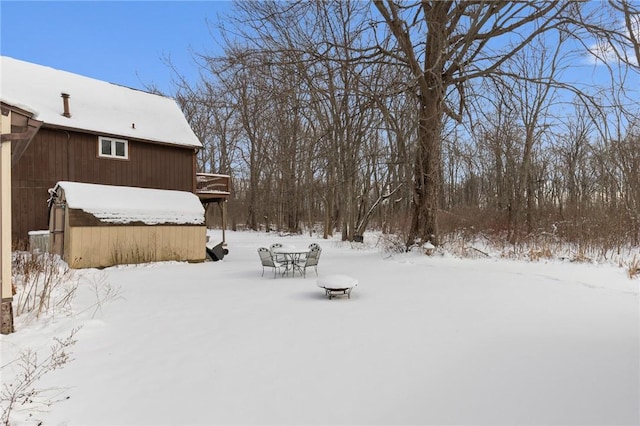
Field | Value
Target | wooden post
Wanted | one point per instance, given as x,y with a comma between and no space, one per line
6,325
223,209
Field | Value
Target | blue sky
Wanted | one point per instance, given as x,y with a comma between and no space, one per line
122,42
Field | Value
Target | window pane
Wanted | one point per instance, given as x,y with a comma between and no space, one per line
120,149
105,147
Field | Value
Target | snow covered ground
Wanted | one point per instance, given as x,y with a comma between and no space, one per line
423,340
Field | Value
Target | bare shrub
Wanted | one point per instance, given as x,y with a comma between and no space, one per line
43,282
392,244
104,292
539,254
132,255
634,268
22,394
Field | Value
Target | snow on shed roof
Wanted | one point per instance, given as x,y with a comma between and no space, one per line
124,204
95,105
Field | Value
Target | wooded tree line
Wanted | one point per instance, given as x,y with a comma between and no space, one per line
425,118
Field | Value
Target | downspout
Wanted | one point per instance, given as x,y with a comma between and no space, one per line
194,167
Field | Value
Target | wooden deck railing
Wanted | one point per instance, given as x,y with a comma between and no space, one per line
212,185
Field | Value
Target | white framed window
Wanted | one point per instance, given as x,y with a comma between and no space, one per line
113,148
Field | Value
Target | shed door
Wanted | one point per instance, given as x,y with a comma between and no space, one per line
57,230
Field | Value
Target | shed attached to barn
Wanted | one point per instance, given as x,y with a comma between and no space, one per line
95,226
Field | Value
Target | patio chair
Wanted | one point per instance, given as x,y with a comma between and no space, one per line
267,260
311,246
277,257
311,260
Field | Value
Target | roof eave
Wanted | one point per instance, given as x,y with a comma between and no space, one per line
115,135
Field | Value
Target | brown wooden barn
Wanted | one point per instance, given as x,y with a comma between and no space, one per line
67,127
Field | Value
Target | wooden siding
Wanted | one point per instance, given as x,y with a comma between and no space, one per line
102,246
55,155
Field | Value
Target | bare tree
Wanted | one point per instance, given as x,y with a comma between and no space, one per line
445,44
307,50
528,79
571,150
349,113
631,14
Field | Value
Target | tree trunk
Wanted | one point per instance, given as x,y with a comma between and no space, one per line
426,193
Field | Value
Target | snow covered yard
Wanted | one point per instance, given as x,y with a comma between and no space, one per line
423,340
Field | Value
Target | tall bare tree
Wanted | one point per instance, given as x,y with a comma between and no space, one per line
446,44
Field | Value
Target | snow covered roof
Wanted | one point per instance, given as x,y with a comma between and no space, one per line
123,204
94,105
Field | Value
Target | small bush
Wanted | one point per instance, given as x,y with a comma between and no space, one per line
42,282
391,244
634,268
